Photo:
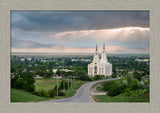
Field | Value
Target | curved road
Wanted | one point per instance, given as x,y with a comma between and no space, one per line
83,93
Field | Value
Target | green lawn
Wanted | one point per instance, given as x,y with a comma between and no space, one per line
136,96
23,96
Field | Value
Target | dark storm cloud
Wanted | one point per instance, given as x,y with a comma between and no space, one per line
29,44
77,20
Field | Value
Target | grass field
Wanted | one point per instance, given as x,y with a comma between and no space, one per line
23,96
46,84
142,97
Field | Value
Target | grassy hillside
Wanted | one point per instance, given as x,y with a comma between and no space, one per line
23,96
136,96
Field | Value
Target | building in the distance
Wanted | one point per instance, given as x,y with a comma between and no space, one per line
100,66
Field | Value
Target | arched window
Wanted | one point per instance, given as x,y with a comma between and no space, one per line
95,69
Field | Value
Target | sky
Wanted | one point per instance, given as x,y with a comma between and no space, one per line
80,31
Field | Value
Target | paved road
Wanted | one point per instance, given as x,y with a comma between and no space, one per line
83,94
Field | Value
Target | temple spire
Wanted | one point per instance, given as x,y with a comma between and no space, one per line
96,56
103,55
103,45
96,48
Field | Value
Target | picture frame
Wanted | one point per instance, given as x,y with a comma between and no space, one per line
6,6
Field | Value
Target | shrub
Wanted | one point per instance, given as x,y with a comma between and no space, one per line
107,77
109,85
127,92
98,77
42,93
61,94
84,77
29,88
134,86
19,83
55,90
64,85
114,92
113,75
51,93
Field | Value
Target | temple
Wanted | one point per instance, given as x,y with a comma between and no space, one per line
100,66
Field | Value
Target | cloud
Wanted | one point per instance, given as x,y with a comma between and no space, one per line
60,21
28,44
129,37
75,30
134,37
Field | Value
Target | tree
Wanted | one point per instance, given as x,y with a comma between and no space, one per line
19,84
137,76
58,72
114,91
24,82
84,77
60,93
113,75
79,71
49,74
108,85
13,69
63,85
97,77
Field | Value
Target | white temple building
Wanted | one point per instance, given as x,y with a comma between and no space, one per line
100,66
